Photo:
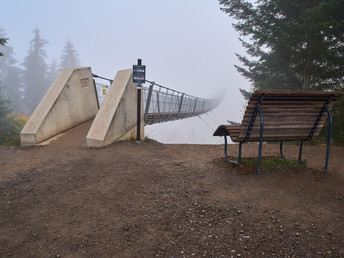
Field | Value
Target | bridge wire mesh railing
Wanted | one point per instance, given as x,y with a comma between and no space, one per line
163,104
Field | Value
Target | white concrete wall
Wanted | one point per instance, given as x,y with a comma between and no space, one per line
70,101
117,117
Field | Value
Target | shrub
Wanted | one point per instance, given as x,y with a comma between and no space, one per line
11,127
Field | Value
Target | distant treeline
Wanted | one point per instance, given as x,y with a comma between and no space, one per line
23,84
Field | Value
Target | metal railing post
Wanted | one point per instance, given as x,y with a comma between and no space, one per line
97,97
149,97
195,104
180,105
158,102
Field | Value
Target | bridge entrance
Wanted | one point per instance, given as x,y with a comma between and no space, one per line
75,98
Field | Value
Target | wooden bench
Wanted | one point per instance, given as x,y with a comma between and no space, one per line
282,116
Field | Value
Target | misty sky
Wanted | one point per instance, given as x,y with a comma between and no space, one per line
187,45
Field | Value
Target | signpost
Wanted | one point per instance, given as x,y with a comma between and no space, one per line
139,77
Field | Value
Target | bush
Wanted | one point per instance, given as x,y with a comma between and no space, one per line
11,127
337,126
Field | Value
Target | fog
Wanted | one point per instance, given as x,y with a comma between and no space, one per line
188,46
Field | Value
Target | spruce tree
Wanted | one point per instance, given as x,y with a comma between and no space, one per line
34,74
4,109
10,81
293,44
3,41
69,57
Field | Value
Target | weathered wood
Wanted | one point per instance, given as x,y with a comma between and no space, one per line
288,115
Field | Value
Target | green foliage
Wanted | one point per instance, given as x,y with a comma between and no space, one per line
10,127
293,44
337,126
10,134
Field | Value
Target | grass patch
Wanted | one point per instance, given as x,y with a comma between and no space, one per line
269,164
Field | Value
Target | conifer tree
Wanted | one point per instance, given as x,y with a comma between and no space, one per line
293,44
10,81
4,109
34,74
69,57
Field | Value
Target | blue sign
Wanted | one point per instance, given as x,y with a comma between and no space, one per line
139,73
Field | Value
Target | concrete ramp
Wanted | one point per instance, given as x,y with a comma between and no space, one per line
117,117
70,101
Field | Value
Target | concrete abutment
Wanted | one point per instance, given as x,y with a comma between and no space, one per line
72,100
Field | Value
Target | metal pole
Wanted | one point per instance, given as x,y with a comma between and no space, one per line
149,97
226,155
281,150
328,138
97,97
138,128
239,156
180,105
300,151
260,140
195,106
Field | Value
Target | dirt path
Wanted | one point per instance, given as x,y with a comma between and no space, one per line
65,200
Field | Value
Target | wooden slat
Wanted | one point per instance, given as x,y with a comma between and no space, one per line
285,119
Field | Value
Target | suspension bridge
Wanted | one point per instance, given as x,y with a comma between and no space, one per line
162,104
75,98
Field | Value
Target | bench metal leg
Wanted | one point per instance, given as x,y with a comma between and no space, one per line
226,147
328,138
281,150
226,155
239,157
260,140
300,151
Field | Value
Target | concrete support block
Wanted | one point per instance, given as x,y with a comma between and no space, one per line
117,118
70,101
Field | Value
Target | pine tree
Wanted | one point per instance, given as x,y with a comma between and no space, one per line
3,41
69,57
4,109
10,81
34,74
293,44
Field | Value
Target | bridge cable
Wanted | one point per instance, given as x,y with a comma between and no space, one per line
215,117
176,130
212,129
150,133
165,125
212,119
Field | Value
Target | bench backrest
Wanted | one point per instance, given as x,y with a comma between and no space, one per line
287,115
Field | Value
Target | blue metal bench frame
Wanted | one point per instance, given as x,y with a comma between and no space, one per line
257,111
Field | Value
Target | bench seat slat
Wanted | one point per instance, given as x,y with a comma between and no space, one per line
287,114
